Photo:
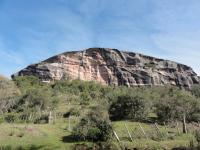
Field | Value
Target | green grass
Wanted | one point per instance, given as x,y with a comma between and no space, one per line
44,136
140,141
50,137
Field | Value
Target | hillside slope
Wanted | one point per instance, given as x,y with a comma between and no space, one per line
112,67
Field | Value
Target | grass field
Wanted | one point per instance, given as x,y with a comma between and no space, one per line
169,137
53,137
41,136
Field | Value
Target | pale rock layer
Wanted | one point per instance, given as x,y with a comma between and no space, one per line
112,67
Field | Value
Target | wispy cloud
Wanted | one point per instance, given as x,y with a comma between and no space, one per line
34,30
178,34
8,55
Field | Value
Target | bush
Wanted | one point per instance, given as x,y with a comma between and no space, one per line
10,118
85,98
172,106
72,112
129,107
95,126
41,119
165,112
93,133
195,90
195,117
35,98
25,83
36,101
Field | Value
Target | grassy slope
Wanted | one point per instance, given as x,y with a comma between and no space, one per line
45,136
142,142
51,136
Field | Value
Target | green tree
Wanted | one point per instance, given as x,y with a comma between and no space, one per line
129,107
175,104
95,126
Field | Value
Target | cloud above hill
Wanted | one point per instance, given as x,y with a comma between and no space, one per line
31,31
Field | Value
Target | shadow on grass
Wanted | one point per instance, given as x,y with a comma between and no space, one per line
68,139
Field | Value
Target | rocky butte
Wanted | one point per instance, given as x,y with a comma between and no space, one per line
112,67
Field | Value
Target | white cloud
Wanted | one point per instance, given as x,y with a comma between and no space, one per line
179,33
167,29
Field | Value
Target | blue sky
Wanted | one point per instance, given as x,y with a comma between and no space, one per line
33,30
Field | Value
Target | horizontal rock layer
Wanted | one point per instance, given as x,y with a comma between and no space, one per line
112,67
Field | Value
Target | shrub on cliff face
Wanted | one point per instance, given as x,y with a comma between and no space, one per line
129,107
95,126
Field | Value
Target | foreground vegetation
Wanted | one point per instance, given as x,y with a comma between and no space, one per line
56,136
69,114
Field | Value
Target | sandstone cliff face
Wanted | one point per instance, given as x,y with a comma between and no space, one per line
112,67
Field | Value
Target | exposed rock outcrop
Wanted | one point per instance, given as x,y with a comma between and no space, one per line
112,67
